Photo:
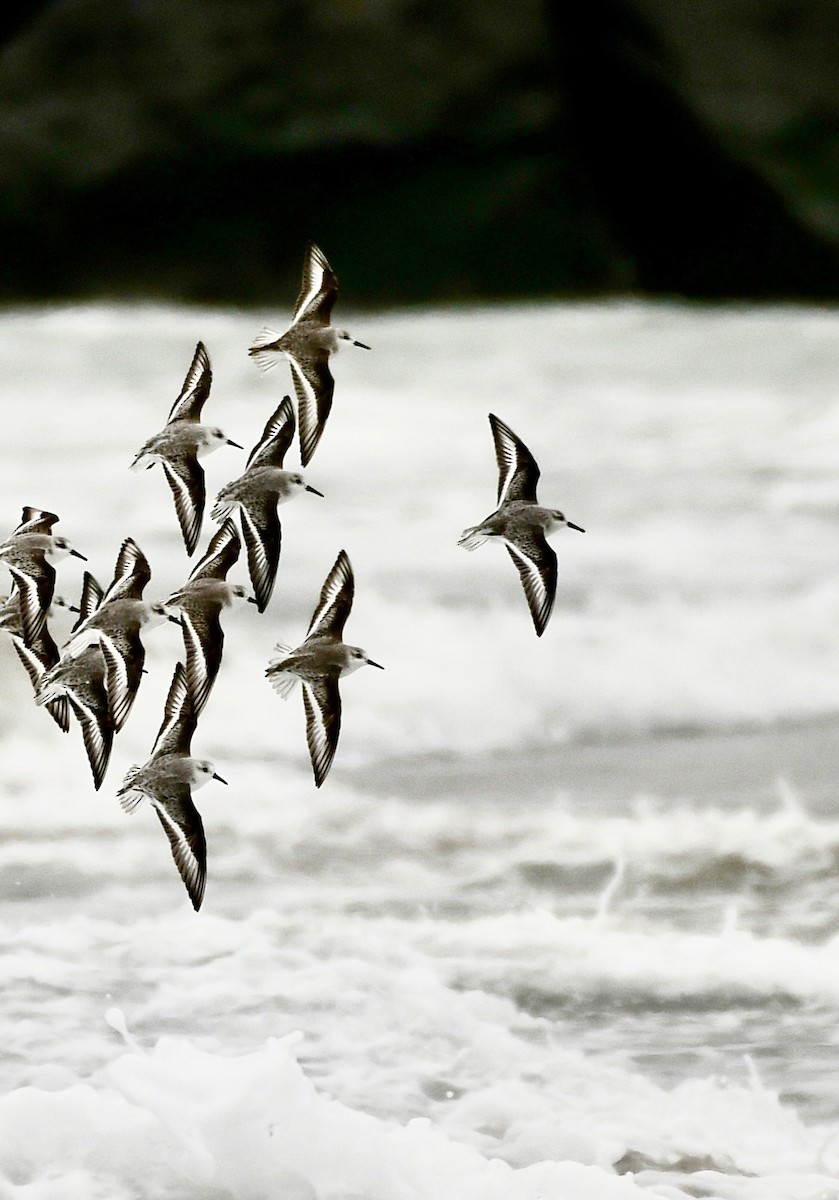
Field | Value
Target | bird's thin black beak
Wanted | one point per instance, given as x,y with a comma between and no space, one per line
309,488
361,345
374,664
230,442
77,554
219,778
252,600
571,525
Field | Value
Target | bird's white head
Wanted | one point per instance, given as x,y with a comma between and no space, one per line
237,594
344,335
212,438
293,483
558,519
158,612
203,771
356,657
60,547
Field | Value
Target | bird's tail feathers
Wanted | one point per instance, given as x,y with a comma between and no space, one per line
222,509
128,796
471,538
264,349
49,688
281,681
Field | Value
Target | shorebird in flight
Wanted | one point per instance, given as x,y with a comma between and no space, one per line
114,620
257,493
308,344
29,554
38,657
521,523
200,602
168,779
319,662
83,680
180,443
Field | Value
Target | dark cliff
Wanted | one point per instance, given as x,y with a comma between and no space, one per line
436,149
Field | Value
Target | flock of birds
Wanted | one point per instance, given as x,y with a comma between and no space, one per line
96,674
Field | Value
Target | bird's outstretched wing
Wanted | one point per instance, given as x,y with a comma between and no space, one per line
537,567
336,597
518,473
318,288
179,720
322,704
195,390
277,436
221,553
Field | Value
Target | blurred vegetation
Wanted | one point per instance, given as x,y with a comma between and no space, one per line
436,149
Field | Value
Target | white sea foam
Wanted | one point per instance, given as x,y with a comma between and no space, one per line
431,986
177,1120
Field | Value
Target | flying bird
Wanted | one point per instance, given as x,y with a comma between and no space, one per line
180,443
37,658
257,493
83,680
308,344
167,781
200,602
114,621
29,553
318,663
521,523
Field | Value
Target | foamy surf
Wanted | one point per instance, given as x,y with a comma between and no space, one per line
187,1122
554,926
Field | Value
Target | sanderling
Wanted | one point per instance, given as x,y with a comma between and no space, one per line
37,658
318,663
200,602
83,680
308,344
179,444
257,493
167,781
29,553
521,523
115,622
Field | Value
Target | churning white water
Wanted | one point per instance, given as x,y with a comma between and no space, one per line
563,921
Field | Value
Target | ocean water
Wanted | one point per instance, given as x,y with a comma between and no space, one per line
563,921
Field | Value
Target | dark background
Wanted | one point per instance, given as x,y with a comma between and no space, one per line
435,149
